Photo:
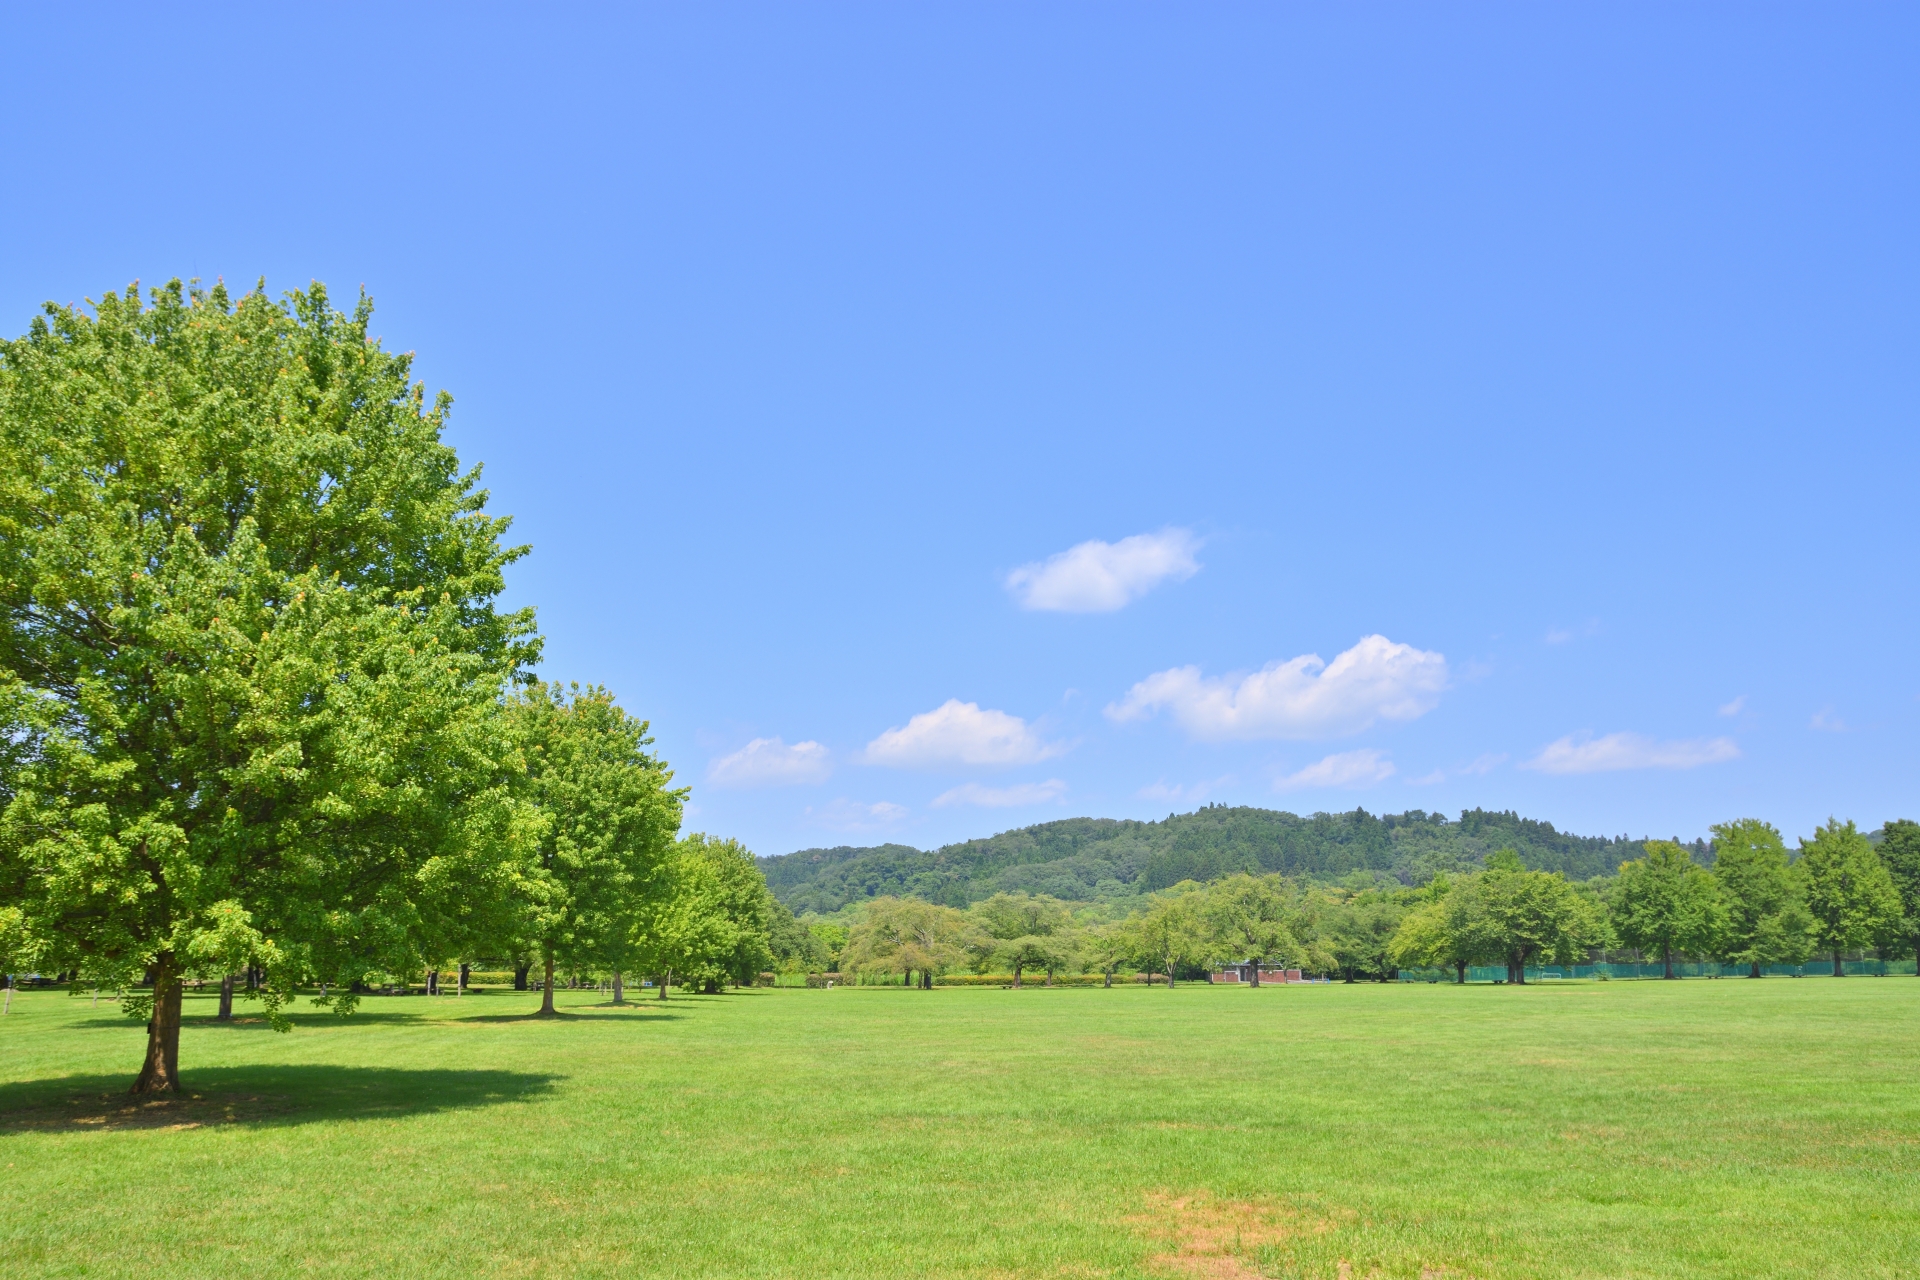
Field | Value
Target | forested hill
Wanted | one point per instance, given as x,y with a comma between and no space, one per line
1087,858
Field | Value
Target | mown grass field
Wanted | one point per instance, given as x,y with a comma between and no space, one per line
1727,1129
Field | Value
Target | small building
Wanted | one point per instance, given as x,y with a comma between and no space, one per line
1243,971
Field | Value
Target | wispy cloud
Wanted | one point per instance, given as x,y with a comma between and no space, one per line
1183,793
960,733
769,762
1300,698
1099,577
1558,636
1022,793
1479,766
1347,769
1826,722
1735,707
1617,751
852,815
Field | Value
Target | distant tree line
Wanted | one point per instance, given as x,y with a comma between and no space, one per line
1758,905
1100,859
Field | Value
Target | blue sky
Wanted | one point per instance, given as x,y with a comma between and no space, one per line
941,418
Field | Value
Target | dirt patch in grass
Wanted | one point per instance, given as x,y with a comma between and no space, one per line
1220,1239
103,1112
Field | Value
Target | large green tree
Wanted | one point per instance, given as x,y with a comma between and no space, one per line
1665,902
908,936
1900,850
1851,896
1534,915
609,816
1028,931
1450,928
709,922
1250,917
250,657
1170,934
1764,897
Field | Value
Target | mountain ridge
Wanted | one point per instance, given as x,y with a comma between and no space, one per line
1092,859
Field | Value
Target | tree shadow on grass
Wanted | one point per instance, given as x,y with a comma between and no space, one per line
260,1096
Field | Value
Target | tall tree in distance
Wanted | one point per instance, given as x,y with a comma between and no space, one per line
1449,929
1029,931
1248,917
609,820
1531,915
250,658
1665,902
1851,896
1168,935
711,923
1764,899
908,936
1900,850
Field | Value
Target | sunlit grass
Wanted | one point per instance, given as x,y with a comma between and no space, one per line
1701,1128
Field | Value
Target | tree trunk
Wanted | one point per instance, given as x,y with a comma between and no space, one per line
666,980
520,976
1256,973
546,990
1839,966
619,988
1049,977
1460,972
926,979
711,987
1016,977
1666,958
1169,977
433,982
465,969
161,1072
226,999
1756,970
1108,982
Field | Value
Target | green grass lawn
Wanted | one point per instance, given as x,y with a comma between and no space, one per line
1698,1128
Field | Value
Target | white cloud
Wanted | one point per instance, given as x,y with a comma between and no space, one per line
1630,751
1302,698
1190,793
1099,577
1559,636
1479,766
1360,768
769,762
852,815
959,732
1023,793
1735,707
1827,722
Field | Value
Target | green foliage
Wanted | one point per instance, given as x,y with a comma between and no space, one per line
1764,896
1852,897
1093,859
1533,915
1666,903
250,658
906,935
607,821
1025,931
795,948
707,920
1900,850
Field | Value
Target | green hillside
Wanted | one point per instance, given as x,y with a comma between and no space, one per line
1094,858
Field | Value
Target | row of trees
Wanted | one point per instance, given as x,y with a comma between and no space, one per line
260,708
1757,905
